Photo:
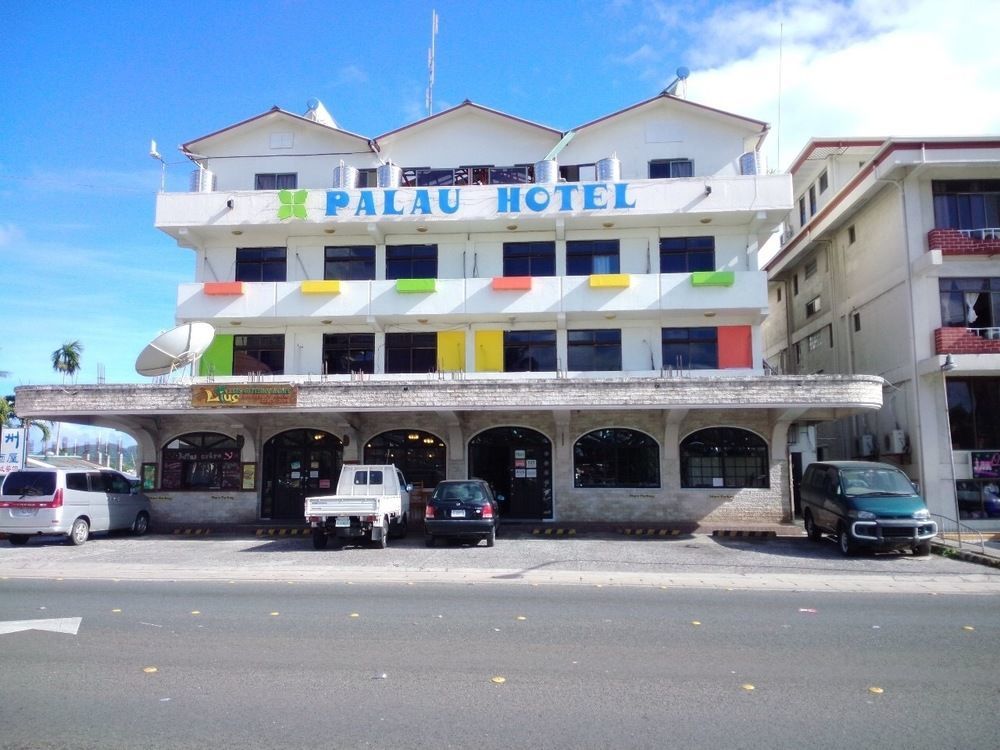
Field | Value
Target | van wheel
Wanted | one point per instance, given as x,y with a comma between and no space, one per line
320,539
811,530
141,524
846,544
18,539
923,549
80,532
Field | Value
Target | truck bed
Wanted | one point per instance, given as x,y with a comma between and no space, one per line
353,505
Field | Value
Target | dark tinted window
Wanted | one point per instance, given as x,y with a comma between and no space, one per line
616,458
529,351
30,483
77,481
690,348
260,264
115,483
724,457
201,461
259,353
411,261
586,257
345,353
594,350
350,263
687,254
529,259
410,352
276,181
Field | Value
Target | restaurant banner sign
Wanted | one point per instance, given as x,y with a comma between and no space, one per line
246,394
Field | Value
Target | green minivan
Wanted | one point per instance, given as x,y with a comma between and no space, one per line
865,504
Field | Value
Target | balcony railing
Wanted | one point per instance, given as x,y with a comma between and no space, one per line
984,241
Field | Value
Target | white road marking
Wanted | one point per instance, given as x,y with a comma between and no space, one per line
63,625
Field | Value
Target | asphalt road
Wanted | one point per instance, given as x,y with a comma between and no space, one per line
279,664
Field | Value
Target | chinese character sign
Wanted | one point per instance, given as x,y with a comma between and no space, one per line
13,449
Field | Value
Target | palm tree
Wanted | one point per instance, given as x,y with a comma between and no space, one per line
66,359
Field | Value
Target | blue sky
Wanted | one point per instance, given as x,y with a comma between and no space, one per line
87,85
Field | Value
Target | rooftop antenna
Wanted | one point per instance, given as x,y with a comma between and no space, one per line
679,82
430,63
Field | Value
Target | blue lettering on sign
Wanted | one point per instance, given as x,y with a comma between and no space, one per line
594,196
13,437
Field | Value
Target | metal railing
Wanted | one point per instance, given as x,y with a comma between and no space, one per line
951,530
986,233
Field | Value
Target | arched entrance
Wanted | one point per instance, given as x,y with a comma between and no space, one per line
419,455
517,461
297,464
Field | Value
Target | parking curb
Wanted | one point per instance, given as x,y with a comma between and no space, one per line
746,533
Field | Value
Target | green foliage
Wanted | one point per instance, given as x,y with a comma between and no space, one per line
66,359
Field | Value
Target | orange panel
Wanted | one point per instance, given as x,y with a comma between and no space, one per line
735,347
224,288
511,283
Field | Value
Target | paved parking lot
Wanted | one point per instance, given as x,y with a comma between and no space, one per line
591,559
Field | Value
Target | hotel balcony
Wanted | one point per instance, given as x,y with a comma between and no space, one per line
964,241
196,219
740,295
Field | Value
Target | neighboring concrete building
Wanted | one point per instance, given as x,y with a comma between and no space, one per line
573,316
891,266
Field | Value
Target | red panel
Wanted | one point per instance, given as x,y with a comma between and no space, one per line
735,347
511,283
224,288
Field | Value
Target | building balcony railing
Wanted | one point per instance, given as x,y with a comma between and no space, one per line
737,294
953,340
984,241
197,218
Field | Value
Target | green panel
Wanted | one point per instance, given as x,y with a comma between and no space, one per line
713,278
218,358
416,286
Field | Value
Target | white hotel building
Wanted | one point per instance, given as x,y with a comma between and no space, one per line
573,316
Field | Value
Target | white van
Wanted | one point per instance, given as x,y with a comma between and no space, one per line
70,502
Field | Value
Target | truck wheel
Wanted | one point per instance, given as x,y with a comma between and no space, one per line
17,539
400,527
320,539
384,541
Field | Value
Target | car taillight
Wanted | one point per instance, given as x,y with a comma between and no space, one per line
57,500
429,511
487,511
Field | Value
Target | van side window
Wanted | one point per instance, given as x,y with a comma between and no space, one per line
77,481
115,483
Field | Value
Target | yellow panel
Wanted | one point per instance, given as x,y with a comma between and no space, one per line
609,280
489,351
451,351
331,286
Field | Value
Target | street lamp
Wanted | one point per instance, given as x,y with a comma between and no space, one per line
947,366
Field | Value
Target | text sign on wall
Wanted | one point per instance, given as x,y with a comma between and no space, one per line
559,198
13,449
258,394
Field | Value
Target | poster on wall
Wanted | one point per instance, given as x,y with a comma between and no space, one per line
249,476
149,477
986,465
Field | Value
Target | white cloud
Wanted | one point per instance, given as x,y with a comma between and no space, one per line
855,68
9,234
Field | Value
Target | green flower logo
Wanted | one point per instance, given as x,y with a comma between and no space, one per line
293,204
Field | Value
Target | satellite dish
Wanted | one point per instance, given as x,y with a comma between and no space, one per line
175,348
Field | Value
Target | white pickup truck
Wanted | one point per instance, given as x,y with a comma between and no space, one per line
372,502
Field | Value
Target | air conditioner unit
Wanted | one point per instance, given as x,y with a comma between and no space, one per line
897,441
866,445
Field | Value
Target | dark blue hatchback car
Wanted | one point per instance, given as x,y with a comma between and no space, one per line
462,509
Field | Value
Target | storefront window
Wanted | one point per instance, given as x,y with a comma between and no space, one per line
201,461
616,458
973,405
724,457
418,454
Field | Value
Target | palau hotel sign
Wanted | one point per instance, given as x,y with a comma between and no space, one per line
500,199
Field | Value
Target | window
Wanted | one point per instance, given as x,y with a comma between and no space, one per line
690,348
511,175
970,303
367,178
586,257
616,458
724,457
857,322
280,181
594,350
411,261
662,168
200,461
812,200
966,204
779,294
78,481
811,267
578,172
795,285
852,235
349,263
259,354
411,352
814,341
813,306
824,182
344,353
529,351
802,211
687,254
419,455
529,259
973,405
260,264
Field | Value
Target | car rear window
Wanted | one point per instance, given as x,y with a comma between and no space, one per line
30,483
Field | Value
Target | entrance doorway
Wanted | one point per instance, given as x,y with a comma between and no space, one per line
419,455
517,462
298,464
